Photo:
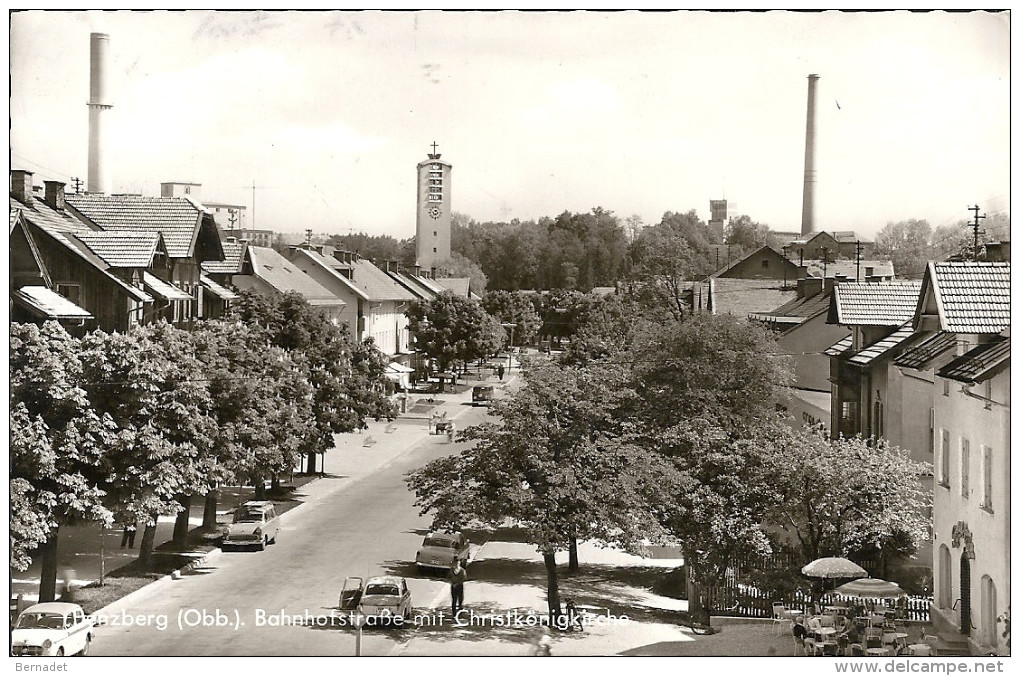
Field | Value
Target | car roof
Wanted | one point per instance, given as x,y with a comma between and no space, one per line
258,504
53,607
384,579
444,536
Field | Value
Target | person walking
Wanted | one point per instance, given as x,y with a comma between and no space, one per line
499,371
456,578
128,538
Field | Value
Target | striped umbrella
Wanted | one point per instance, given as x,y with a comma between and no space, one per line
871,588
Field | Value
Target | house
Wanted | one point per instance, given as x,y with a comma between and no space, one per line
189,234
47,254
963,321
829,245
268,272
766,262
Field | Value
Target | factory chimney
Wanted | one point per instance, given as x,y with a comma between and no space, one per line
99,103
807,220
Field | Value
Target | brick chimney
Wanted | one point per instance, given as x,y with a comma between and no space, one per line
55,194
21,185
809,287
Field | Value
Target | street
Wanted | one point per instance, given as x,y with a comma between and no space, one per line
236,604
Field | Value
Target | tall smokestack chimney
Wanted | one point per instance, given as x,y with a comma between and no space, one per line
99,103
807,219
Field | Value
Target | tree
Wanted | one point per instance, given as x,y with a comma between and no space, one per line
150,384
451,329
458,265
553,466
744,235
840,497
57,449
606,332
513,307
664,263
907,244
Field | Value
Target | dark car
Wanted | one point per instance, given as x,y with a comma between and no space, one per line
482,395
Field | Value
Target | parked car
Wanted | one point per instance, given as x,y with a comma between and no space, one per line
438,549
385,598
52,630
256,524
482,395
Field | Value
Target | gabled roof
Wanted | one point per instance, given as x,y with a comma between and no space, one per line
332,267
284,276
377,285
217,290
967,296
47,304
729,266
840,346
44,216
800,308
233,259
922,354
413,284
178,219
461,286
882,347
980,364
428,283
873,303
162,288
124,249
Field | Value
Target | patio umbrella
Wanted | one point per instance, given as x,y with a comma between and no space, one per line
871,588
833,567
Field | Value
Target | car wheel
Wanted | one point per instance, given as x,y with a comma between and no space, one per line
85,648
263,543
273,541
60,651
407,613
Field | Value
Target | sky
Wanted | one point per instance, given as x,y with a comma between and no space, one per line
327,114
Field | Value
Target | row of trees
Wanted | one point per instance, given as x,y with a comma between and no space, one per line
655,428
912,243
129,427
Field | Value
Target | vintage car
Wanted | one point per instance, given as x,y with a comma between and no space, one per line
52,630
386,598
255,524
481,395
438,549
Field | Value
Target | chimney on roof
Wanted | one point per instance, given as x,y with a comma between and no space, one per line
55,194
809,287
21,185
830,283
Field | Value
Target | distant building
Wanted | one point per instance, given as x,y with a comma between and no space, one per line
829,246
181,189
229,217
433,214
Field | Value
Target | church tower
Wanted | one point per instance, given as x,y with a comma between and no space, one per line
433,215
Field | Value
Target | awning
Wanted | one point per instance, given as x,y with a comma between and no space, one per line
218,290
163,289
42,302
397,367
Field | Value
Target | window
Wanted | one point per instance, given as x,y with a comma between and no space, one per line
944,459
71,292
988,393
878,423
945,387
435,197
764,263
986,472
965,467
931,430
435,233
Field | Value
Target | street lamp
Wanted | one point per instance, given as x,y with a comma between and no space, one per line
510,361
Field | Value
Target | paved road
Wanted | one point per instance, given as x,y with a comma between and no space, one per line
364,527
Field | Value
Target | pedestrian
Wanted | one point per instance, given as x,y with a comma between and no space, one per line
451,430
128,538
543,643
499,371
456,578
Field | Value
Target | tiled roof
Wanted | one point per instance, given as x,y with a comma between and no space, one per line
177,219
979,364
14,216
42,302
217,290
805,308
922,354
43,216
412,284
721,271
428,283
162,288
974,296
839,347
284,276
377,284
883,346
874,303
123,249
331,266
233,257
459,285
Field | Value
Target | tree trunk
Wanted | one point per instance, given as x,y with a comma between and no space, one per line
148,543
182,523
48,572
260,488
209,513
573,566
310,466
553,588
274,485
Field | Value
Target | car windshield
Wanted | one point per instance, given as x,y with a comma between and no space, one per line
41,621
248,516
440,542
382,589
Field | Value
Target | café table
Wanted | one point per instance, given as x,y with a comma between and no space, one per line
895,638
919,649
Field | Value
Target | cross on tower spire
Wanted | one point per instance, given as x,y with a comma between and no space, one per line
434,155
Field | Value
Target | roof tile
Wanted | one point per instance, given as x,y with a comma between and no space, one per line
875,303
122,249
175,218
974,294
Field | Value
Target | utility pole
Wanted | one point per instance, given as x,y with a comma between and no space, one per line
825,260
76,182
859,247
976,224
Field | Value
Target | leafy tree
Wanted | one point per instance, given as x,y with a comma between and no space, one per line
513,307
907,244
606,332
451,329
842,496
378,248
664,263
552,466
57,447
458,265
150,384
744,235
